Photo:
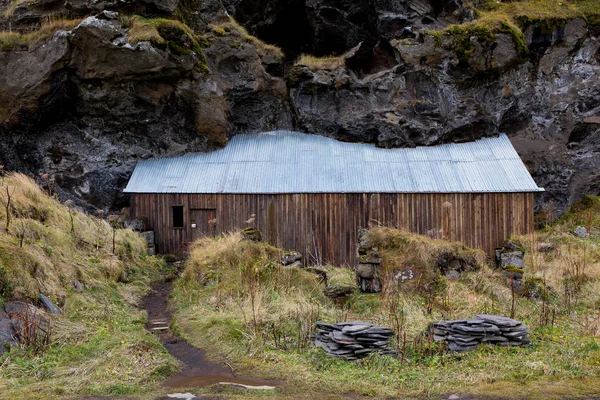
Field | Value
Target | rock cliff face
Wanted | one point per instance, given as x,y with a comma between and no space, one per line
84,104
87,104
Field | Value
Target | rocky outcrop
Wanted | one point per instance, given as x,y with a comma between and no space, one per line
84,105
325,27
89,103
460,86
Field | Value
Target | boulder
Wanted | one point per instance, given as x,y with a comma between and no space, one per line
581,232
544,247
7,334
512,258
19,308
369,285
338,291
366,271
295,264
149,237
453,275
290,257
49,305
78,286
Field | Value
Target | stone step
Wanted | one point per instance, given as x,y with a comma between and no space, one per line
160,328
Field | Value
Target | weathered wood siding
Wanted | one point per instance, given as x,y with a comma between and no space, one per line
325,226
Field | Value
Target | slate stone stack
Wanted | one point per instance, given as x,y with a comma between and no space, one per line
353,340
467,334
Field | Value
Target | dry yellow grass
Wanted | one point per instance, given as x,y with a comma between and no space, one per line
565,347
18,41
324,63
43,252
261,47
9,12
143,29
98,344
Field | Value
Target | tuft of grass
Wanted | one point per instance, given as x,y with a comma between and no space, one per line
22,41
179,38
261,47
321,63
512,18
485,29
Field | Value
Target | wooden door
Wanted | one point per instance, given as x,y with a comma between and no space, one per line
203,222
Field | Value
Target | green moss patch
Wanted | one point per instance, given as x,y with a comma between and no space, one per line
179,38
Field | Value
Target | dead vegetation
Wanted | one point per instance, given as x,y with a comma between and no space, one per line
262,48
45,245
29,41
321,63
242,283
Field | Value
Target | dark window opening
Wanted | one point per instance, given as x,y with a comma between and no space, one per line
177,216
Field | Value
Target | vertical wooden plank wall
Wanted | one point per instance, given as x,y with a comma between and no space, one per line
324,226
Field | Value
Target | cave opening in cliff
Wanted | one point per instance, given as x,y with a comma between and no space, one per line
284,25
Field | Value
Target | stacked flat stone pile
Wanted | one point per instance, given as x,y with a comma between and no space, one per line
467,334
353,340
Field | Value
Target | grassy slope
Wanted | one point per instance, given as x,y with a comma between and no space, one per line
99,345
563,360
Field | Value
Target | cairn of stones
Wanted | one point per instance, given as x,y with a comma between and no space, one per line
353,340
467,334
510,259
149,237
368,268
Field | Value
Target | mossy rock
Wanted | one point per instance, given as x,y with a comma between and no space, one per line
512,268
252,234
535,288
338,291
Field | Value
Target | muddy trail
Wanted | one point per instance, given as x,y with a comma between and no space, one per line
197,371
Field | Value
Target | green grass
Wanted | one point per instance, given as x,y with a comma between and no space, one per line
512,18
563,360
179,38
99,345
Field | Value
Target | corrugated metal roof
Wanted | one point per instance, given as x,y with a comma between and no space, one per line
292,162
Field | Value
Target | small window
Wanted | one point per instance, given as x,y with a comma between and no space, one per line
177,216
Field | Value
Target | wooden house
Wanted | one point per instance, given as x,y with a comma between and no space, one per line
312,194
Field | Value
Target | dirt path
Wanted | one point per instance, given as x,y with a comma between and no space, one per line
197,370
